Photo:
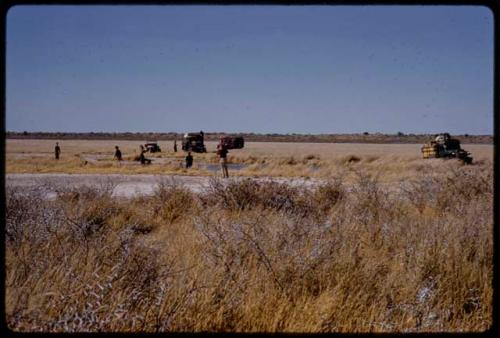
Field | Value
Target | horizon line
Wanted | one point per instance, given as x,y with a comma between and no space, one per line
398,133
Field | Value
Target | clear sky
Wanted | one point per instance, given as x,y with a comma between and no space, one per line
262,69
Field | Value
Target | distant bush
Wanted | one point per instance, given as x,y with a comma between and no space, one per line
352,159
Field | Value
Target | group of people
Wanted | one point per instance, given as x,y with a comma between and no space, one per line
142,157
221,153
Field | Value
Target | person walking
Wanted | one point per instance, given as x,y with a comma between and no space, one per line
222,153
57,150
118,154
189,160
175,146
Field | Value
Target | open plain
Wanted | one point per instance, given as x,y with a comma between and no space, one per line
304,237
391,162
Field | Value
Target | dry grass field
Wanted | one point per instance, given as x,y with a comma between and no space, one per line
241,256
391,162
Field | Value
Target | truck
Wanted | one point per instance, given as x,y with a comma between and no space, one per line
194,142
444,146
232,142
152,147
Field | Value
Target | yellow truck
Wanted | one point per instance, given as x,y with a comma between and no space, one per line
443,146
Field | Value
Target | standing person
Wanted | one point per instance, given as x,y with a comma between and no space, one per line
222,153
189,160
175,146
57,150
118,153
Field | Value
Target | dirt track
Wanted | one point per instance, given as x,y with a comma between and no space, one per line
125,185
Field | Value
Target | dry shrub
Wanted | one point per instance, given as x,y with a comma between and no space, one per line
328,194
348,159
21,213
383,268
311,157
247,159
248,194
451,192
289,160
370,158
281,250
171,201
135,217
80,282
87,208
245,194
247,256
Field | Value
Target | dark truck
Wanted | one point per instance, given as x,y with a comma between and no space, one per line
152,147
194,142
232,142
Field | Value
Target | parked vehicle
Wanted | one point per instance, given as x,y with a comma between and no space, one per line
194,142
443,146
152,147
233,142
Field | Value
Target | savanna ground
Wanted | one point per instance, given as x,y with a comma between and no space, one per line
346,255
389,162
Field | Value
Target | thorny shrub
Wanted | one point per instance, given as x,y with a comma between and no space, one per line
451,192
284,249
250,256
80,281
171,200
248,194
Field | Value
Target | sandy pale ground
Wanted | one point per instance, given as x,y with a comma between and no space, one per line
143,184
126,185
325,150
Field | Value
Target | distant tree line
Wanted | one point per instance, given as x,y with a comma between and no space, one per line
364,137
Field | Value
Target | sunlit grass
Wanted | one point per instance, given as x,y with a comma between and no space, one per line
389,162
252,257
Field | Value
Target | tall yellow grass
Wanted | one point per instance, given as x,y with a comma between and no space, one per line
250,257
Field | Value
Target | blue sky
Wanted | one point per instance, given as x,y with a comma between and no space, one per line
262,69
